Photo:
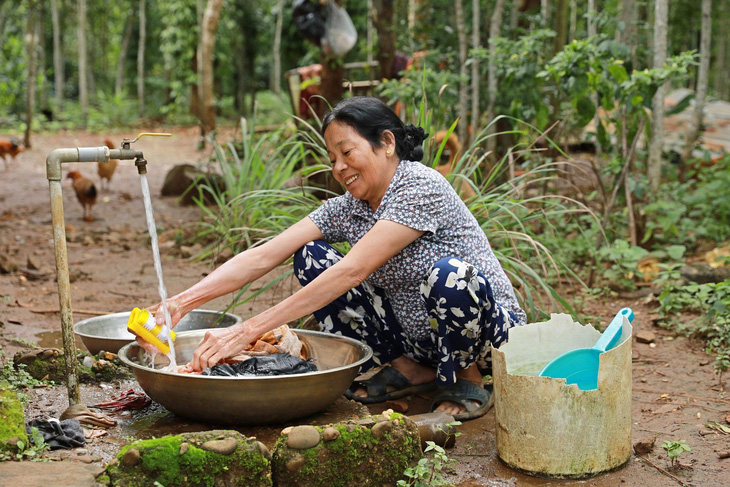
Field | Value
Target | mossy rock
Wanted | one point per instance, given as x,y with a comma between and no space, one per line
362,454
50,364
219,458
12,420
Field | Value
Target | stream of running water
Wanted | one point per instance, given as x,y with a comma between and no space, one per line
152,229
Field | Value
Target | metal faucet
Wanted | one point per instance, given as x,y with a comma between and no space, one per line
53,173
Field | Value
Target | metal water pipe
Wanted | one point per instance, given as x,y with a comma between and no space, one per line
53,173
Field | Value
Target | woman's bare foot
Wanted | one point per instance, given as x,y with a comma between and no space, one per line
419,374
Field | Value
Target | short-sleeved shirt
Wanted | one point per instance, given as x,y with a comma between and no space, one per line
418,197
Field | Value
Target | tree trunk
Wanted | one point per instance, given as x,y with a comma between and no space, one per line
140,57
31,43
545,11
654,169
463,86
494,32
702,80
57,56
83,91
561,25
205,63
275,80
384,20
630,18
119,83
592,18
722,38
573,20
475,43
40,35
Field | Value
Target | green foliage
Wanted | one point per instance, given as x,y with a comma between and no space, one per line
623,259
674,449
434,85
712,302
518,63
429,469
696,209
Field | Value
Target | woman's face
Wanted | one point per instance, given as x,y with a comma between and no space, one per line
363,171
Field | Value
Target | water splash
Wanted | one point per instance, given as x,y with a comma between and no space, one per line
152,229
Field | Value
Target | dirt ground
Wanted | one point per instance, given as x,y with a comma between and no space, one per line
676,393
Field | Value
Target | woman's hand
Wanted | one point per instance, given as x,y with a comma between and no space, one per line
157,311
219,344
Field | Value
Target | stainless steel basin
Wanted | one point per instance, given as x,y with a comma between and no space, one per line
250,400
109,332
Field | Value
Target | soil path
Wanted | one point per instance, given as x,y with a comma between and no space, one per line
675,391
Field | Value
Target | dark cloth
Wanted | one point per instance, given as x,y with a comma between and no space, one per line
273,364
57,434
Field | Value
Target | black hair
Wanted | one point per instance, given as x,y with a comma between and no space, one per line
370,117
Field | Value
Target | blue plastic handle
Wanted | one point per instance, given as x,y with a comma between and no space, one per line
609,338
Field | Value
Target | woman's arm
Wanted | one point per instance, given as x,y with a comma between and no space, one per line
244,268
382,242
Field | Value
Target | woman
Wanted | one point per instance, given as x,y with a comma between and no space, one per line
420,283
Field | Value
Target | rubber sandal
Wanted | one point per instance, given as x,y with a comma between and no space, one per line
377,387
466,394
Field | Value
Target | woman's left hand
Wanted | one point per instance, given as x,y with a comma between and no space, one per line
219,344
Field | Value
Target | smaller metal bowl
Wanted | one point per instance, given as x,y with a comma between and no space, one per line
250,400
109,332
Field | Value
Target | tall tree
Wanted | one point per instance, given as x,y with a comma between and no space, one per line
720,63
494,32
475,44
205,64
463,86
57,55
140,56
702,79
275,80
126,37
654,169
630,18
384,21
32,43
83,76
561,25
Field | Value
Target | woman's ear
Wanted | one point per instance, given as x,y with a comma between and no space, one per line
388,140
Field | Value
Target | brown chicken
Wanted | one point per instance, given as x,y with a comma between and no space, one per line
106,169
85,192
10,147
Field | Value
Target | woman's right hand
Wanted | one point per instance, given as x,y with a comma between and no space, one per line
176,314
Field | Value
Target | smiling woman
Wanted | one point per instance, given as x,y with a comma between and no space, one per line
420,284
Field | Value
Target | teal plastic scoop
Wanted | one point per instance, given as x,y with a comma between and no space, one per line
581,366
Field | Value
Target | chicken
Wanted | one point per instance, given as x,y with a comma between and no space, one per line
10,147
106,169
85,192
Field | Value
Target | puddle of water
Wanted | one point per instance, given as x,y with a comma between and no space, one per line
54,339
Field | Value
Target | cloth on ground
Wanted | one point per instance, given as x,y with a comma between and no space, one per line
57,434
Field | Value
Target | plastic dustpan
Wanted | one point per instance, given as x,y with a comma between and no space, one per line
581,366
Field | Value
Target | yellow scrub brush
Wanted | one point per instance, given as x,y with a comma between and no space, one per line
142,324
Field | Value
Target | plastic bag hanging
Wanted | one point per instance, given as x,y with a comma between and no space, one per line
339,34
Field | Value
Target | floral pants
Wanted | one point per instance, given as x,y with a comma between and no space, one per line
465,320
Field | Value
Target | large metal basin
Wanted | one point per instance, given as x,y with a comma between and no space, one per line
109,332
250,400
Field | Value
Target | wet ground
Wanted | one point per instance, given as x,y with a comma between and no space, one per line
675,394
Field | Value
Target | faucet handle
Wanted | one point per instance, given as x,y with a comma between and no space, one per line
127,142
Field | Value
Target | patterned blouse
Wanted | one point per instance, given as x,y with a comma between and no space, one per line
420,198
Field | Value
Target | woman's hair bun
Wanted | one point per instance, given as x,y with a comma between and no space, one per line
414,140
